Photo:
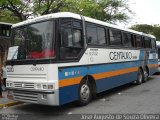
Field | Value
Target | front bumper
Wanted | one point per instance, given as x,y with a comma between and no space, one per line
47,97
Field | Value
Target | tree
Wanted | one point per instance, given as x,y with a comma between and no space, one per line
156,31
88,8
116,10
24,9
18,8
7,16
148,29
42,7
106,10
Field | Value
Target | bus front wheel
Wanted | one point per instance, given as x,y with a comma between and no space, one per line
84,92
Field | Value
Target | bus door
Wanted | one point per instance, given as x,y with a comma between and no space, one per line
72,46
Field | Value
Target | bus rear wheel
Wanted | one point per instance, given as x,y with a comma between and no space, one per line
146,74
139,77
84,92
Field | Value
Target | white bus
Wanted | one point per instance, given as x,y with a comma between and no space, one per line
63,57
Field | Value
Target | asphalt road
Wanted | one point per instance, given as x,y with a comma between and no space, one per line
127,99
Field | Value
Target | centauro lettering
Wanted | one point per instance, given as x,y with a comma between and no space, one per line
120,55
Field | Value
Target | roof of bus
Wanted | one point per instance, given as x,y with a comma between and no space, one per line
76,16
4,23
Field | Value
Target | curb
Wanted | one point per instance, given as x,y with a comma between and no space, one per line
10,104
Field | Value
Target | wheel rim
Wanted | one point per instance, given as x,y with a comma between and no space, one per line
85,92
140,76
145,76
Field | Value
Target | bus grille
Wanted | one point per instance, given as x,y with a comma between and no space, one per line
24,85
25,96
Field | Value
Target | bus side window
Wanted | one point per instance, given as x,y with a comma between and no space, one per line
77,38
91,34
127,40
115,37
153,44
66,37
96,35
147,42
138,41
101,36
71,39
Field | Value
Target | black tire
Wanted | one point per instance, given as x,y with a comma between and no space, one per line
145,74
139,77
84,93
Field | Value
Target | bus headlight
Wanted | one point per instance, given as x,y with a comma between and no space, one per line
9,84
50,87
45,87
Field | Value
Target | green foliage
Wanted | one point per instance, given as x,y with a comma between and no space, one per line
105,10
156,31
88,8
148,29
7,16
18,8
42,7
116,10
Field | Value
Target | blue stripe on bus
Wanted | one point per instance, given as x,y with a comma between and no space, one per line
94,69
70,93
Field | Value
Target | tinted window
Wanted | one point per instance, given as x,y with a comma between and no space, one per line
127,40
138,41
66,22
77,38
71,39
66,37
153,43
101,36
147,42
92,35
35,41
115,37
5,30
76,24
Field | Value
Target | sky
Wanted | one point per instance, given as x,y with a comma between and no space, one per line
146,12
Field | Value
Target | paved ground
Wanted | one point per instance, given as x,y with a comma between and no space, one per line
5,102
128,99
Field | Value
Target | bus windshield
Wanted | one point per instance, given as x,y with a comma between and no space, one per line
34,41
